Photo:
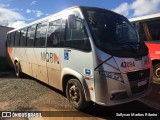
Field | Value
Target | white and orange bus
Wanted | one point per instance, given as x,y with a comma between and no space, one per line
148,28
89,53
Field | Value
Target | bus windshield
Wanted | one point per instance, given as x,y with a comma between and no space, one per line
111,31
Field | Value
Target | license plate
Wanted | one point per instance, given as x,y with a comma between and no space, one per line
144,82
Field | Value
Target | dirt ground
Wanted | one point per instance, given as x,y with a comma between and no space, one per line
27,94
22,94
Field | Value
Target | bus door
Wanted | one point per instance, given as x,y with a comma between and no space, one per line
52,53
39,65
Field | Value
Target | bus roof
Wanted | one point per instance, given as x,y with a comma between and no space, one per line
147,17
55,14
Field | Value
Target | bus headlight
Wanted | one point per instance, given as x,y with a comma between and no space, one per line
112,75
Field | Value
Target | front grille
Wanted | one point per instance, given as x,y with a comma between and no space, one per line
138,75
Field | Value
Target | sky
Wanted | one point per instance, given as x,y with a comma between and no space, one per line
17,13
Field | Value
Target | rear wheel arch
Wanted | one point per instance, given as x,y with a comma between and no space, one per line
156,69
17,68
155,61
15,61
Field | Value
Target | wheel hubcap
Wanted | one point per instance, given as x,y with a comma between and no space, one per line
74,93
158,72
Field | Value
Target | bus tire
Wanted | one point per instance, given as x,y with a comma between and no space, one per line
75,94
17,69
156,71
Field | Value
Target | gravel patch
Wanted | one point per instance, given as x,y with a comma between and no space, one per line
22,94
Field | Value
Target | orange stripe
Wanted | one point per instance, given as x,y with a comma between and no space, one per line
55,58
10,50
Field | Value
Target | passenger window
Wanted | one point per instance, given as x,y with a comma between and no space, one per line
148,30
23,37
31,35
8,39
63,28
53,36
41,35
17,36
77,38
12,39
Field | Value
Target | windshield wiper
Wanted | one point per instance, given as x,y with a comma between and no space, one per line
130,44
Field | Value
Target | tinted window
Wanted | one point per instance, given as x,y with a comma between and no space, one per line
12,39
17,36
53,36
111,31
41,35
63,28
30,36
148,30
77,38
8,39
23,37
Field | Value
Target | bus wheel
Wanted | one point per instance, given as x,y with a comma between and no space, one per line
156,70
75,94
17,70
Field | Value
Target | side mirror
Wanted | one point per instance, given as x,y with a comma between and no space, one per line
72,21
